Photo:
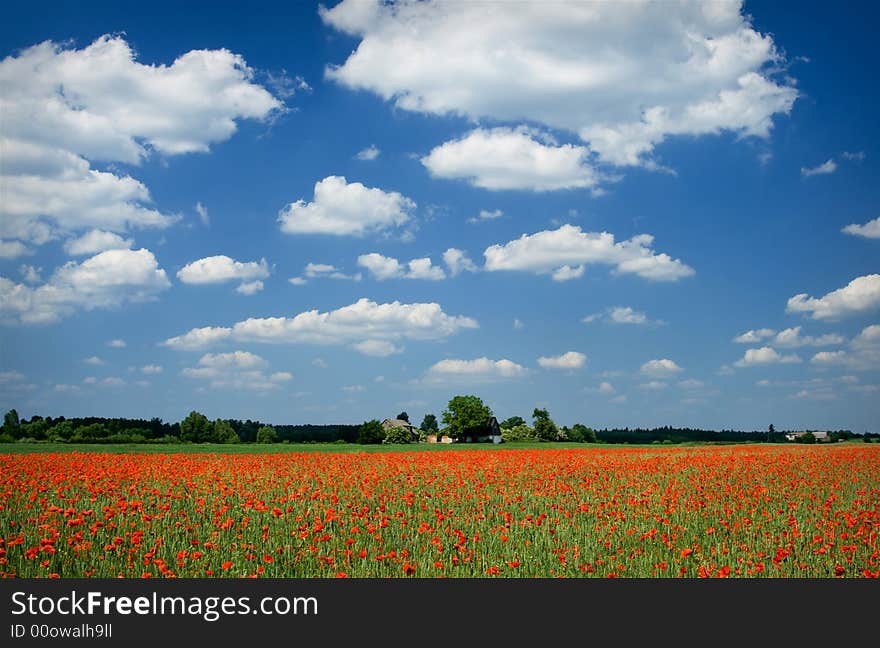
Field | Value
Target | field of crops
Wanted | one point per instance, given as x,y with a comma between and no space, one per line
737,511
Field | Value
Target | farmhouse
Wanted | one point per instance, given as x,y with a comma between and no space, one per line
389,424
491,432
821,437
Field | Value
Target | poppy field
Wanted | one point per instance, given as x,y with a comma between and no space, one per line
700,511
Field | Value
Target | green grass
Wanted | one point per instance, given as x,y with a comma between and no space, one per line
265,448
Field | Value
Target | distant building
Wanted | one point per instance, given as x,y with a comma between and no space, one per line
389,424
490,433
821,437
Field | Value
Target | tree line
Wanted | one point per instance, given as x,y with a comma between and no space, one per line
466,418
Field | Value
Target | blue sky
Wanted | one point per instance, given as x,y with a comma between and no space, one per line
633,216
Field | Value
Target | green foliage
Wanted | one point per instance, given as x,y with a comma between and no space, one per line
11,424
224,433
6,438
545,428
512,422
371,432
403,416
267,434
429,425
807,437
465,416
581,434
36,428
397,435
518,433
196,428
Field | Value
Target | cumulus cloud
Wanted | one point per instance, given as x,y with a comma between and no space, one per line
504,158
478,370
343,208
457,261
105,280
30,274
94,360
377,348
754,336
486,215
357,324
322,271
236,370
870,230
95,241
826,168
66,109
660,368
13,249
623,76
383,267
221,268
249,288
791,338
653,385
566,250
863,353
606,388
763,356
569,360
116,344
368,154
860,295
620,315
151,370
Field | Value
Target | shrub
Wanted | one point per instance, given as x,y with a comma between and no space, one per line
521,432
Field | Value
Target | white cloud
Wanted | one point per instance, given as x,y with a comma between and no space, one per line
249,287
221,268
860,295
457,261
504,158
690,383
569,360
377,348
765,355
94,360
661,368
322,271
343,208
199,338
478,370
654,385
567,273
105,280
30,274
619,399
116,344
11,376
857,156
754,336
791,338
622,75
320,363
13,249
606,388
67,108
621,315
827,167
151,370
354,389
368,154
359,323
870,230
549,251
95,241
863,353
382,268
112,381
486,215
202,211
518,325
236,370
